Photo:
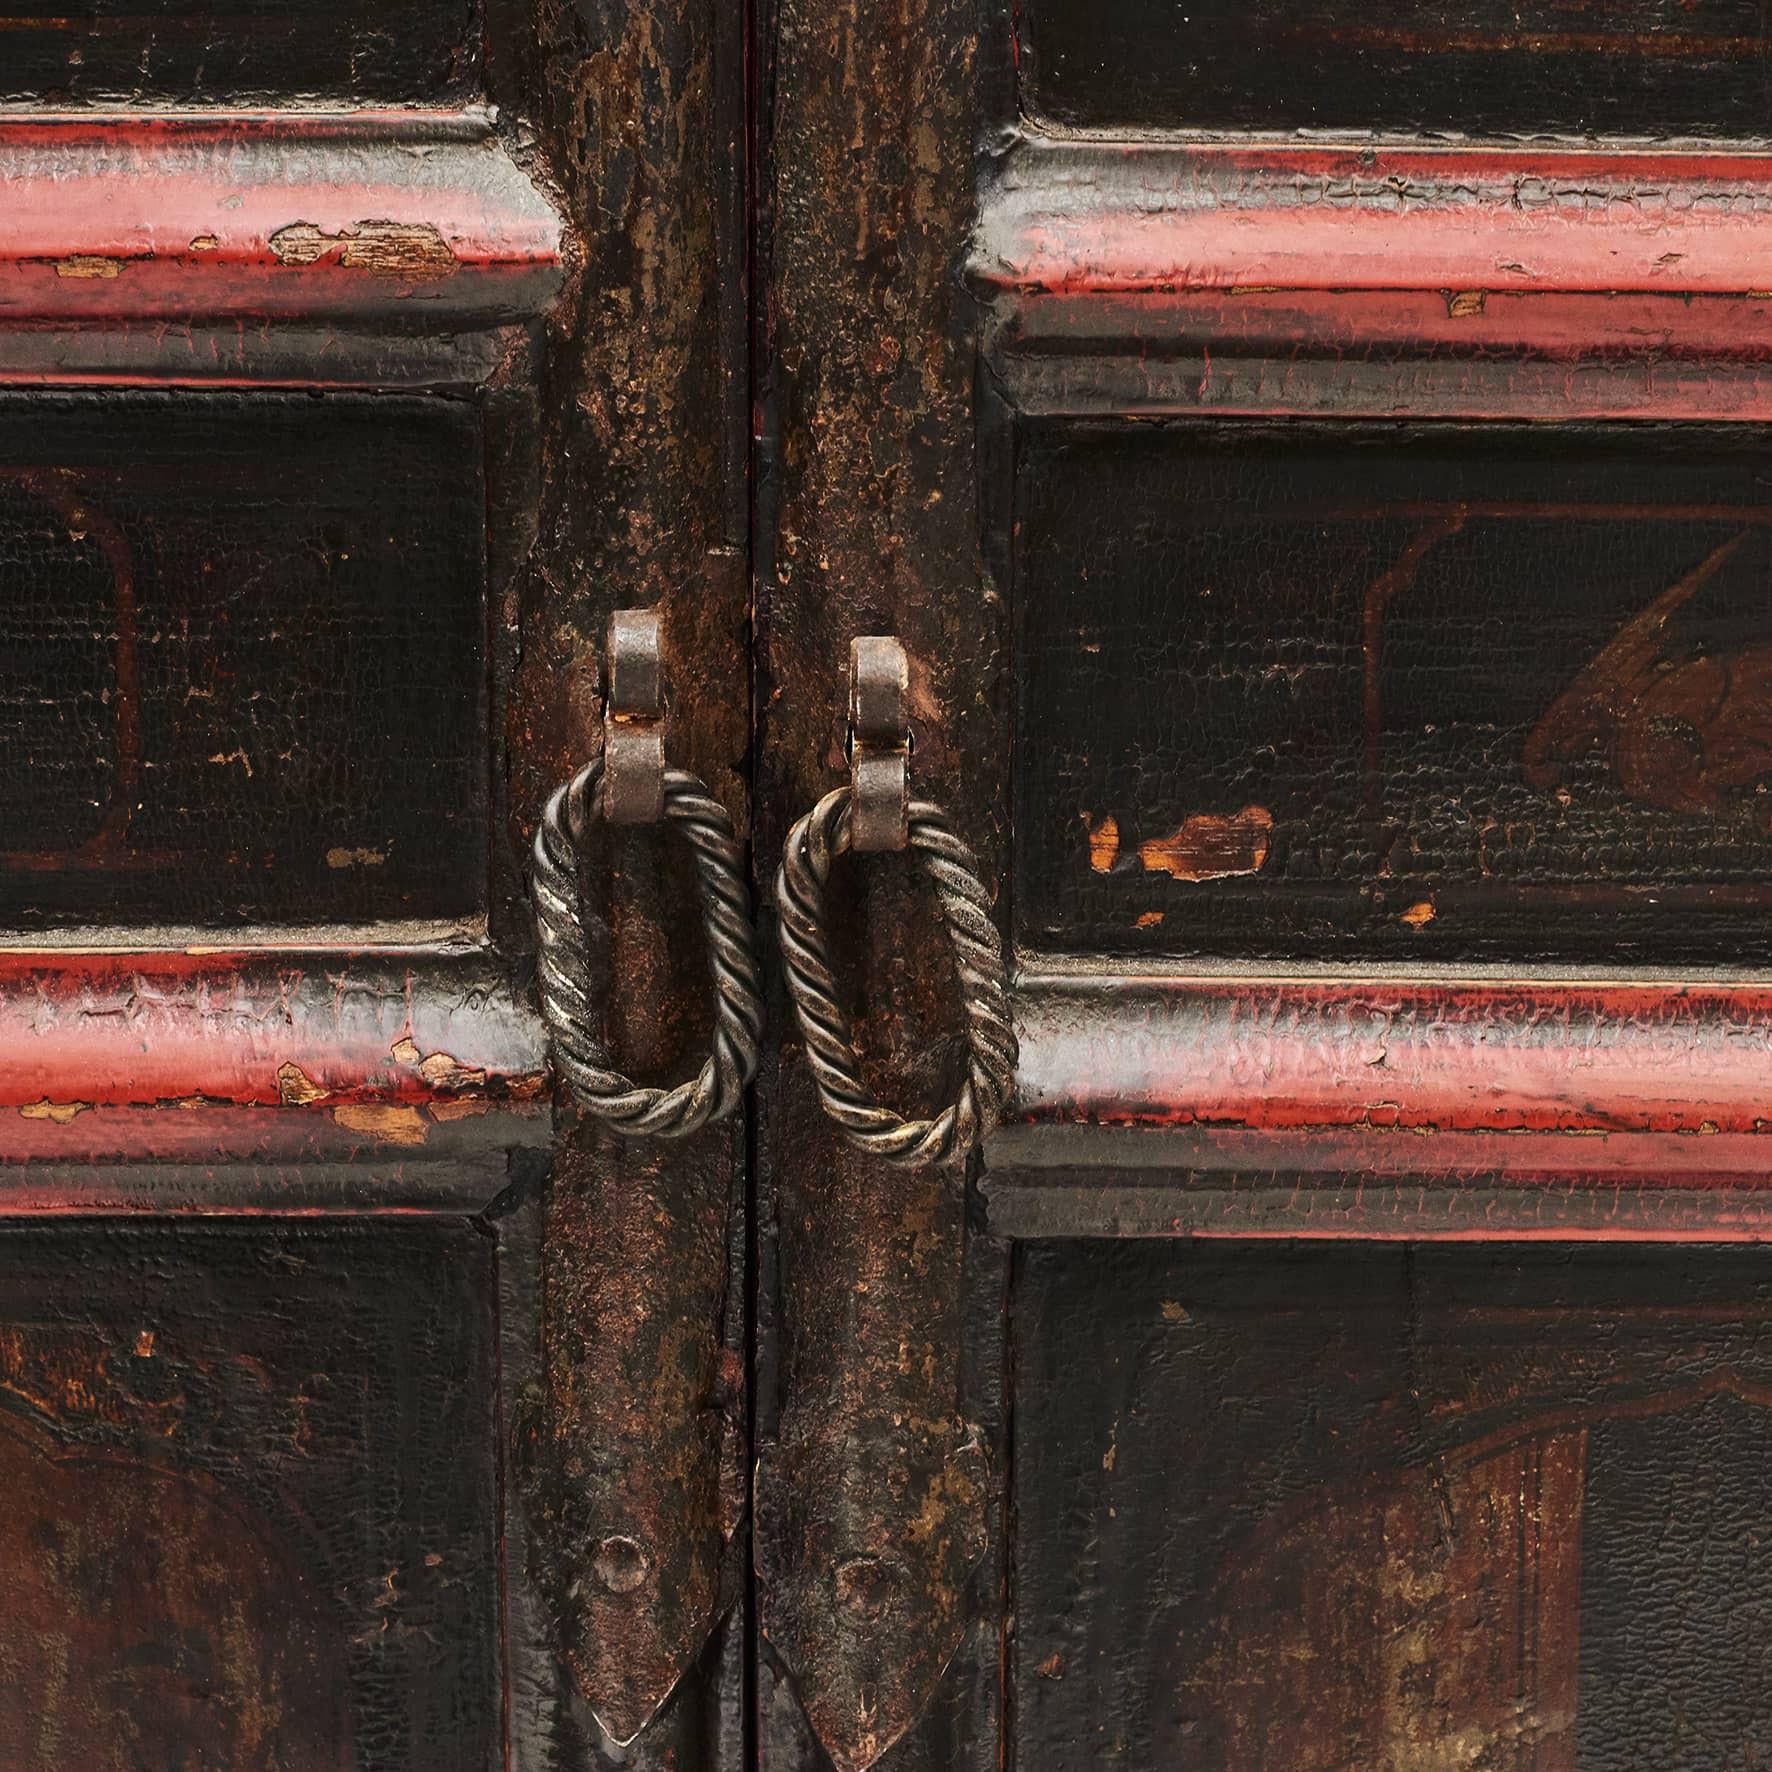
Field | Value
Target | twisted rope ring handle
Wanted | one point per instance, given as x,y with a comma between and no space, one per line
564,962
813,844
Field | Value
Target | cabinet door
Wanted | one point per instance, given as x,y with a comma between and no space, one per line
362,1404
1316,467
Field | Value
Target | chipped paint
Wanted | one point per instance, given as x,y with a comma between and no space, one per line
444,1072
295,1088
242,1033
1104,843
440,1069
95,294
380,248
88,266
58,1113
465,1108
387,1124
1210,847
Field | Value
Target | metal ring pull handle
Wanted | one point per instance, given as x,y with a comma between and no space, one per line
867,813
619,787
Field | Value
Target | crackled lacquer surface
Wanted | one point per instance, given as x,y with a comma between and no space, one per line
244,659
1313,1509
1639,68
250,1507
174,52
1306,691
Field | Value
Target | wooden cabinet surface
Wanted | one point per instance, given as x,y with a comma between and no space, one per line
1313,467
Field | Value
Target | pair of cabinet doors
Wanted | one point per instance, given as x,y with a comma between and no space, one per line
1315,463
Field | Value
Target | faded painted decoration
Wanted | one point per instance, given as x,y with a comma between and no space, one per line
1334,691
1394,1509
252,1513
245,651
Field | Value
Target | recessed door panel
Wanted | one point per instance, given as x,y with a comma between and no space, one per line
251,1506
1389,691
1309,1510
245,660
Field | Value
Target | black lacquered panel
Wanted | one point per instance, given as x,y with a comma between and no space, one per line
174,51
1572,67
241,659
1308,691
1303,1510
251,1508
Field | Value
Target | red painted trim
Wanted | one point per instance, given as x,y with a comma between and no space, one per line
161,225
1472,283
216,1155
1070,218
376,1044
1682,1062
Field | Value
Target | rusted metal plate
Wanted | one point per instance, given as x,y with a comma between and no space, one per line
1386,280
1321,1508
376,248
879,744
1638,68
633,719
252,1502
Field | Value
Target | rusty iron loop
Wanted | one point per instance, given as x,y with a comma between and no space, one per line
564,961
812,846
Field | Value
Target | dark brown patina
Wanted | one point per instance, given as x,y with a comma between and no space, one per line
632,1444
872,1491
